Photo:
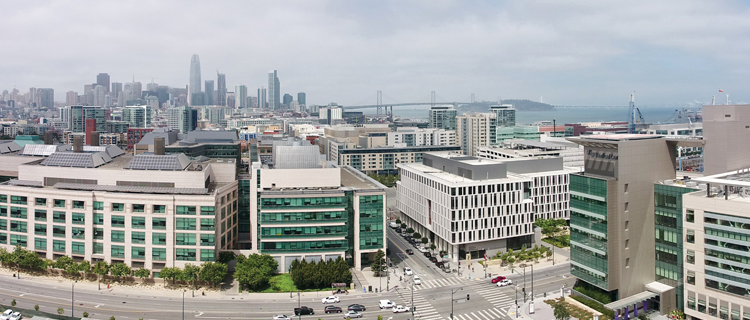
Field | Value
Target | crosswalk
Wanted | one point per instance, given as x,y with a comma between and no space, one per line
437,283
488,314
424,310
497,296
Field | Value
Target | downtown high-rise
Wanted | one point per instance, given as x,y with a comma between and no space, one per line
274,92
240,96
209,94
102,79
262,102
221,89
194,87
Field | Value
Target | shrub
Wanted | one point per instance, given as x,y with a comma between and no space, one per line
36,307
60,311
85,314
594,305
112,318
13,303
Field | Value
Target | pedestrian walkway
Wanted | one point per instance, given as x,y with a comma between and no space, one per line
488,314
437,283
497,296
424,310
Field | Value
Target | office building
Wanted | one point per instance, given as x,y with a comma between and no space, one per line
116,90
102,79
725,129
475,130
288,99
46,97
194,86
302,98
71,98
99,96
182,119
331,114
505,115
136,91
221,89
382,160
208,98
274,92
715,244
443,117
137,116
262,100
78,115
415,137
134,135
571,153
215,144
240,96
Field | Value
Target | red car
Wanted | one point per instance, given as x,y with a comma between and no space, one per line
498,279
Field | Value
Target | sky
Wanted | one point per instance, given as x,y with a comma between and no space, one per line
579,52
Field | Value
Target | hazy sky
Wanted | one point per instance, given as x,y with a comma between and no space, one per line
587,52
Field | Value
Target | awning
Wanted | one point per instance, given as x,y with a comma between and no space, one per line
630,301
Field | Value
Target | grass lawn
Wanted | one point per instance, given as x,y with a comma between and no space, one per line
283,283
575,312
560,244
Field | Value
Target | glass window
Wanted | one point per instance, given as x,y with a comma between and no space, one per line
3,238
59,203
118,251
3,211
208,254
16,212
17,226
98,205
689,215
58,216
690,236
40,244
159,223
40,229
17,240
99,219
118,236
98,248
185,239
158,208
138,252
691,277
159,254
208,224
118,221
207,240
58,245
79,218
118,207
185,224
690,257
159,238
3,224
3,198
139,208
78,233
18,200
78,204
188,210
185,254
41,201
207,211
139,222
78,247
58,231
138,237
98,234
40,215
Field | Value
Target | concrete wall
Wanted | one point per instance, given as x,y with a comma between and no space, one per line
300,178
726,130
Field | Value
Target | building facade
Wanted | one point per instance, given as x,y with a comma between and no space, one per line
380,160
443,117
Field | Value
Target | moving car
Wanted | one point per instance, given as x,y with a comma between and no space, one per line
331,299
498,279
301,311
281,317
332,309
352,314
400,309
6,314
386,304
407,271
15,316
357,307
409,251
504,282
417,280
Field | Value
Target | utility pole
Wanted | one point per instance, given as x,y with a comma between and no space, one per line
412,298
299,303
452,300
72,298
183,304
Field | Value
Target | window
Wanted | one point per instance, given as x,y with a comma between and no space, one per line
17,226
118,251
690,257
3,211
58,231
3,198
18,212
185,224
159,223
118,236
208,224
627,243
98,248
78,204
40,244
118,221
99,219
159,238
78,233
40,215
138,237
17,200
188,210
139,208
3,224
59,203
158,208
207,211
159,254
78,218
208,254
98,205
40,229
58,245
690,216
98,234
185,254
3,238
691,277
139,222
119,207
78,247
208,240
41,202
138,252
17,240
185,239
690,236
58,216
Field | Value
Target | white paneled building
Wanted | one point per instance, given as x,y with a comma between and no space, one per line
414,137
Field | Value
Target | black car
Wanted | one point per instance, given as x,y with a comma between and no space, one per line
398,230
433,259
409,251
427,254
303,311
333,309
439,264
357,307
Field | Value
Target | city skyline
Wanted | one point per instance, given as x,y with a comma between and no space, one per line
494,50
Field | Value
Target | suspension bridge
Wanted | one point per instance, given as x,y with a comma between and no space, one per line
386,109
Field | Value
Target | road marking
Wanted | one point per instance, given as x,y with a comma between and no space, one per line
23,294
199,314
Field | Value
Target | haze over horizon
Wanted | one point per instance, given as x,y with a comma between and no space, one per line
574,53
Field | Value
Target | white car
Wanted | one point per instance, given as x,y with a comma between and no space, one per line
417,280
6,314
331,299
15,316
408,271
386,304
400,309
504,282
281,317
422,249
352,314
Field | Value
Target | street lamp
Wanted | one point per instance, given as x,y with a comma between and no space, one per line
183,304
72,298
452,301
299,305
523,265
516,300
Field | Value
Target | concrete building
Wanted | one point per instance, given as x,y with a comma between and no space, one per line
414,137
443,117
475,130
379,160
727,138
137,116
571,153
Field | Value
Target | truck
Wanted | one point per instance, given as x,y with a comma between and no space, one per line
303,310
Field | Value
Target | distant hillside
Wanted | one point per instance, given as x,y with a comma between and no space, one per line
520,105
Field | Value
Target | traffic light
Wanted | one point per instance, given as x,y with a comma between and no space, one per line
459,263
467,297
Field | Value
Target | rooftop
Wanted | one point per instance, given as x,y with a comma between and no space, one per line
619,137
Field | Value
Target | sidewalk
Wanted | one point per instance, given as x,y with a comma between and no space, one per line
477,270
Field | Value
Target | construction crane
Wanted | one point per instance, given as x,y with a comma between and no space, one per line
635,117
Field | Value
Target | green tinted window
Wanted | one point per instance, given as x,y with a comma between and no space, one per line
58,245
18,212
208,224
185,254
139,208
79,218
59,203
78,247
17,200
118,252
185,224
208,240
118,236
118,207
98,218
3,224
159,223
40,229
138,252
3,211
160,208
159,254
207,211
98,205
188,210
139,222
41,201
40,244
78,233
17,226
78,204
118,221
159,238
185,239
98,233
18,240
58,231
208,254
58,216
98,248
138,237
40,215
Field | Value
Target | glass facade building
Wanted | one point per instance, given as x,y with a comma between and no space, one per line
668,237
588,230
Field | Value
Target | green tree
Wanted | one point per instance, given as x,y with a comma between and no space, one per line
409,230
101,268
170,273
190,273
84,267
72,269
255,271
60,311
13,303
85,314
213,272
561,313
63,262
425,240
119,270
142,273
226,256
378,263
398,221
36,307
417,235
403,226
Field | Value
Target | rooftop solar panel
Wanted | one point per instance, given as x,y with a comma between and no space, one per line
172,162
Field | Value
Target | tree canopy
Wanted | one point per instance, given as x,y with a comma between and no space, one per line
255,271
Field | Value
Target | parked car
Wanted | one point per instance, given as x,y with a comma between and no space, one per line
6,314
352,314
386,304
427,254
398,230
504,282
407,271
357,307
15,316
409,251
400,309
332,309
433,259
281,317
301,311
439,264
417,280
498,279
331,299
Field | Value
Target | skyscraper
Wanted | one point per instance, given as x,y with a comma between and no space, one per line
184,119
274,92
71,98
116,89
46,97
221,94
262,102
287,99
209,96
102,79
137,90
195,78
302,98
240,96
443,117
137,116
99,93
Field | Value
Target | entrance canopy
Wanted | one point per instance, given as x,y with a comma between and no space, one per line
630,301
